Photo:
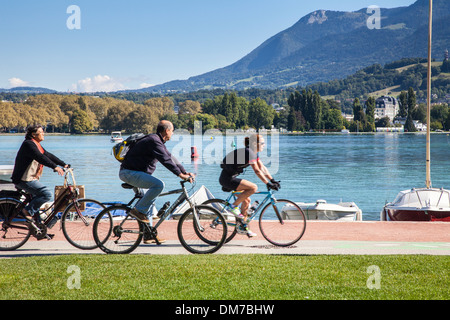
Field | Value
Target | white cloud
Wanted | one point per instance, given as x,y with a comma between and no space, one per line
16,82
98,83
145,85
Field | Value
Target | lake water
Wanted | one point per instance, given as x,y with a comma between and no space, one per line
368,169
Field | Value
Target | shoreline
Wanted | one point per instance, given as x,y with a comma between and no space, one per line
224,132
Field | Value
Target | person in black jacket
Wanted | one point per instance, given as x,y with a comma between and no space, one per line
29,163
140,163
234,164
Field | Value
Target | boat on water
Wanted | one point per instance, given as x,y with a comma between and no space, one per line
321,210
5,178
421,204
116,136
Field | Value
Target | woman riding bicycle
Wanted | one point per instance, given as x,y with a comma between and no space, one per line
29,163
234,164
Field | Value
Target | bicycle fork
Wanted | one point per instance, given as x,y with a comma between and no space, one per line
277,212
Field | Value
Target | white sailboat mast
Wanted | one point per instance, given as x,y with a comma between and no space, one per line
428,156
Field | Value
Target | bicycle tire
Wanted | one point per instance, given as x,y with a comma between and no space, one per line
77,222
15,234
220,205
116,232
282,228
210,238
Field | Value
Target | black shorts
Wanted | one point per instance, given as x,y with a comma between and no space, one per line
228,181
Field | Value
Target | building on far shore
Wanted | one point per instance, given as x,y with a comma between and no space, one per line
386,106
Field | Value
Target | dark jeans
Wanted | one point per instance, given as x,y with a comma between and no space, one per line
41,194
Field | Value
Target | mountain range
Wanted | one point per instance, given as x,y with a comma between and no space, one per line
322,46
326,45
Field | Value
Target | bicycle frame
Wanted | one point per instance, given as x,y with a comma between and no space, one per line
269,196
69,194
168,213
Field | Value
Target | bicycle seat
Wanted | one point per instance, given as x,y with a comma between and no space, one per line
127,186
226,189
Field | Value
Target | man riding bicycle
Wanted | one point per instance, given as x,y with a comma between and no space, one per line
140,163
234,164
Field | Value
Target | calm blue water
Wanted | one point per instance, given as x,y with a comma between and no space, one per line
367,169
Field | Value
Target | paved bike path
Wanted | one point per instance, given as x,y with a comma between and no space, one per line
321,237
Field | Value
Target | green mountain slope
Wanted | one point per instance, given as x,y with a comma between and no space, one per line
327,45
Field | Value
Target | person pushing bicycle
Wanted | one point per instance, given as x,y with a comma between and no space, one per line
28,167
140,163
234,164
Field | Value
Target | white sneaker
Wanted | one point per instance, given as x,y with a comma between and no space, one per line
250,233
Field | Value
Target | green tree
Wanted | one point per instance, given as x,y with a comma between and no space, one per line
411,100
447,122
80,122
370,111
8,116
332,119
141,119
292,120
208,121
260,114
384,122
358,112
403,104
316,111
189,107
409,125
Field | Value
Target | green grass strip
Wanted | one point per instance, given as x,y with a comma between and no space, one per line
228,277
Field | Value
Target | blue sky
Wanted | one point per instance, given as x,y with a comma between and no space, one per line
137,43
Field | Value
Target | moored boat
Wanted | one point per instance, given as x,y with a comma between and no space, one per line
116,136
422,204
5,178
321,210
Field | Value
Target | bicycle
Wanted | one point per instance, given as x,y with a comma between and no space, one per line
116,231
76,217
281,221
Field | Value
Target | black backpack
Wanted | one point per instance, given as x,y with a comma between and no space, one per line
120,149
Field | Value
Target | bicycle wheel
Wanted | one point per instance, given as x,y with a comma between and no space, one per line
282,223
77,222
202,235
220,205
15,233
117,232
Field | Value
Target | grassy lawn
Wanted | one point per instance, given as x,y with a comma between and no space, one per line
226,277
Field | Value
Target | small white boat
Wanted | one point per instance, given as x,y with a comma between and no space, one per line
116,136
423,204
321,210
5,178
345,131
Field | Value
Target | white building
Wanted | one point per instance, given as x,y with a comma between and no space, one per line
386,107
419,125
